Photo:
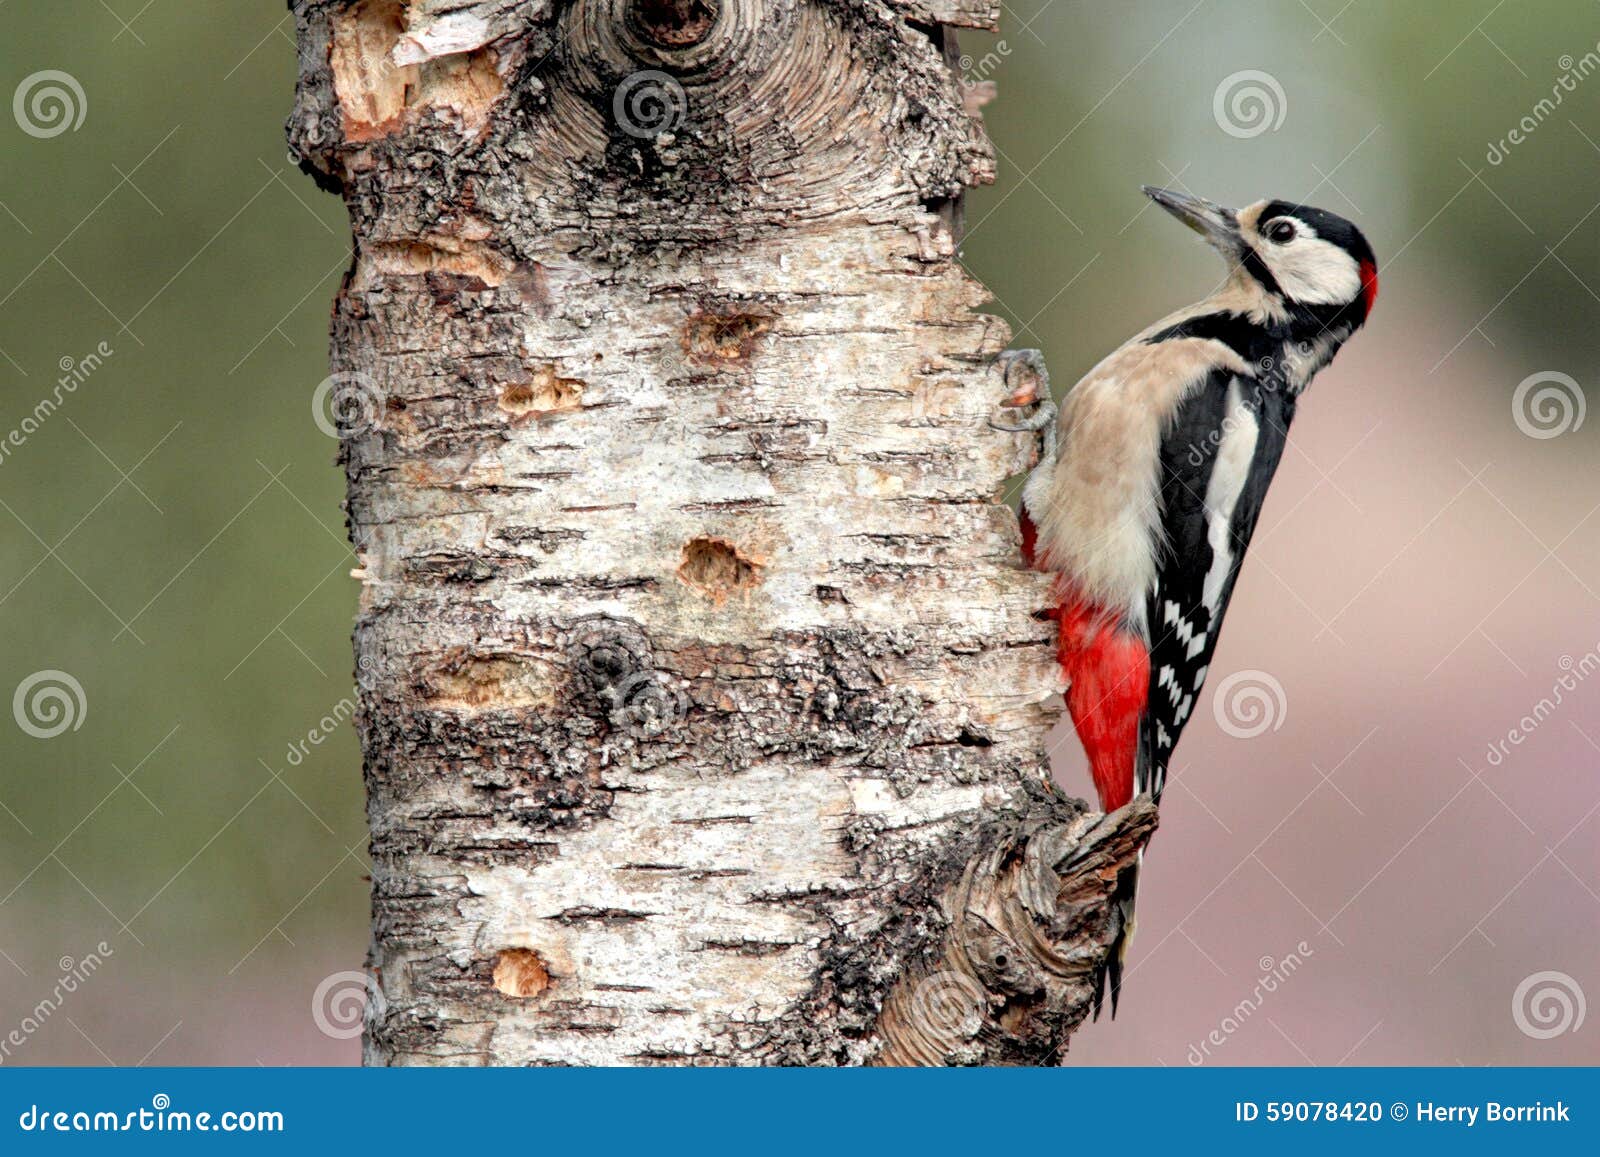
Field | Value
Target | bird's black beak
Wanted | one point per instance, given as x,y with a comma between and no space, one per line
1216,224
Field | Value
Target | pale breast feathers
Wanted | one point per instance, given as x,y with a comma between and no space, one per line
1099,510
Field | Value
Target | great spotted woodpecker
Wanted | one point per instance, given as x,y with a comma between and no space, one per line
1153,476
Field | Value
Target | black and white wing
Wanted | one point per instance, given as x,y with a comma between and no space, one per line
1217,460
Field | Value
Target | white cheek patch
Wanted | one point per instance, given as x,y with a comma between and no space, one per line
1313,271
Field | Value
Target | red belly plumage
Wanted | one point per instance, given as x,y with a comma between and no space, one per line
1107,667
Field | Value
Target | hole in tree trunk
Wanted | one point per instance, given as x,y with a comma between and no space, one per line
675,23
520,972
544,392
721,338
717,569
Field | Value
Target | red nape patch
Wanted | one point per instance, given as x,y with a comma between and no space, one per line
1369,286
1109,672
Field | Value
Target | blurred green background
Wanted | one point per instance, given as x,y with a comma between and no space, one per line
171,534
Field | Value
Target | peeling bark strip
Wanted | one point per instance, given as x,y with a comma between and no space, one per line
703,690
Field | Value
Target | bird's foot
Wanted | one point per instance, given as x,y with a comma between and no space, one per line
1028,383
1038,420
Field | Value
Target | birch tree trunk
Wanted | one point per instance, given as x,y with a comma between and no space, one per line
703,691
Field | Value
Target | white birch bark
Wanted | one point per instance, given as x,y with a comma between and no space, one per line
703,689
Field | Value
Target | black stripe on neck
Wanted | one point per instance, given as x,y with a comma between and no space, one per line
1305,323
1309,322
1254,343
1257,268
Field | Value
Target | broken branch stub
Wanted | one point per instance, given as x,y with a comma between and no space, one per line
1030,923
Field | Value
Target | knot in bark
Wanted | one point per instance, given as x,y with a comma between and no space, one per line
615,666
606,657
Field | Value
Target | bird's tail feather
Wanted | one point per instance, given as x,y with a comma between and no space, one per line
1109,975
1149,772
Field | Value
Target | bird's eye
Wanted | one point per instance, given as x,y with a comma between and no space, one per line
1280,231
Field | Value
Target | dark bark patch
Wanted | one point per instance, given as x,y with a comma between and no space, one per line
747,947
581,1017
546,540
601,915
606,655
461,567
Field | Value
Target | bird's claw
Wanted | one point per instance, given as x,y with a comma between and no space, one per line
1029,385
1038,420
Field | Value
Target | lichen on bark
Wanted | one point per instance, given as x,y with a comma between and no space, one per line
703,692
